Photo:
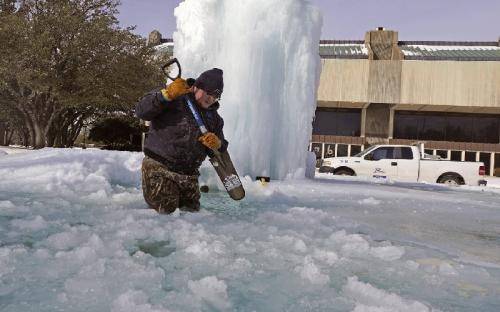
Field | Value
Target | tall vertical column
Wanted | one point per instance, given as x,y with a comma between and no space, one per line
382,44
384,84
378,123
392,111
492,164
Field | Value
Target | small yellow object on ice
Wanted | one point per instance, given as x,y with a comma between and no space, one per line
263,180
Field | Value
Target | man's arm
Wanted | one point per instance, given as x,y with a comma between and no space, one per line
151,105
155,102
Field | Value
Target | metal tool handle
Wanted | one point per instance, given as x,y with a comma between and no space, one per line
200,123
170,62
197,116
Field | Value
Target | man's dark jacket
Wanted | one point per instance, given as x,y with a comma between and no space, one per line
173,132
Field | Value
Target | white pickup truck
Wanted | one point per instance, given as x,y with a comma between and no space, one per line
405,163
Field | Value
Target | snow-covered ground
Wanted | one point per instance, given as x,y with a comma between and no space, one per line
7,150
76,235
493,181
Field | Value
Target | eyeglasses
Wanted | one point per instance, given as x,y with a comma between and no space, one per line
216,94
212,98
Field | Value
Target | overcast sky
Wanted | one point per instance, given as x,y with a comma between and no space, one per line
457,20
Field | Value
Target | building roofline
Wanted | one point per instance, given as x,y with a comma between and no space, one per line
341,42
347,57
402,42
450,43
443,58
412,50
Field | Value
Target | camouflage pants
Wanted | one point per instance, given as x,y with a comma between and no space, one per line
166,191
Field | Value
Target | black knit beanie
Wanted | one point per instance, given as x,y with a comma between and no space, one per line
211,81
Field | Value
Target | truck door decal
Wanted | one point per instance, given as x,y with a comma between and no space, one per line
378,173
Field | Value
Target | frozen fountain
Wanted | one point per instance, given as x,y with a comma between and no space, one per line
268,50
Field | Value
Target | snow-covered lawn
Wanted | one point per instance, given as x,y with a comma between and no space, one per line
76,235
7,150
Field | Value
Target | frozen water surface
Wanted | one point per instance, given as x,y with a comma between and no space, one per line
75,235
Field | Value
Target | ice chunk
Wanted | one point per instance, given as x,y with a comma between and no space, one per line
134,301
369,201
211,290
66,240
7,259
6,204
369,298
35,224
350,244
388,253
326,256
446,268
309,271
300,246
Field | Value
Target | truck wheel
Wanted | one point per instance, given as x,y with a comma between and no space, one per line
451,179
344,172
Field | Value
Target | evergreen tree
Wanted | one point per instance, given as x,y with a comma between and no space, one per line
7,6
66,61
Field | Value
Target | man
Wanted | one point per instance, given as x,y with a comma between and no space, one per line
175,148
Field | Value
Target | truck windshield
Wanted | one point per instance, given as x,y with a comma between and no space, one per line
365,151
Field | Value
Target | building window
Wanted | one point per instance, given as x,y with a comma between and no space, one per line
355,149
459,129
317,148
486,129
433,128
447,127
456,156
342,122
442,153
342,150
470,156
496,170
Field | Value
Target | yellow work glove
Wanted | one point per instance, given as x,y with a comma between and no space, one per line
210,140
177,88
